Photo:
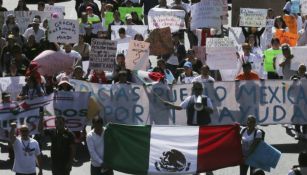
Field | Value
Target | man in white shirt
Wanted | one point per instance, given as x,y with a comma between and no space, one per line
95,145
204,77
35,30
26,151
67,50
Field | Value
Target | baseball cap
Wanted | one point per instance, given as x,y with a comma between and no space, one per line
187,64
128,16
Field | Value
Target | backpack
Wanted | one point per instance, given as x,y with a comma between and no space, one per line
296,170
262,132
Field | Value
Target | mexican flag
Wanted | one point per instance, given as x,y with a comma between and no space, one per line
148,77
171,149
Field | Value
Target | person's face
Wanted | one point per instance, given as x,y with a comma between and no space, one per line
89,11
81,39
129,21
116,16
251,40
67,48
275,45
13,69
122,35
59,124
65,87
98,126
253,29
20,3
279,23
204,71
198,89
175,39
247,69
251,123
286,53
120,60
139,38
302,70
78,73
11,19
161,65
270,14
134,16
122,78
45,24
187,70
24,133
246,49
40,7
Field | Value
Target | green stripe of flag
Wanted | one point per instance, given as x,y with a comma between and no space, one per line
127,148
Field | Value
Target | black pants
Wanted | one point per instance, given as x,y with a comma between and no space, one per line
299,130
244,169
97,171
60,172
273,76
25,174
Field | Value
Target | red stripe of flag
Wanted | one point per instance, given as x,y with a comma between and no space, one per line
219,147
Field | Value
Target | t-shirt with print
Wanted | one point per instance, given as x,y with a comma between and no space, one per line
25,155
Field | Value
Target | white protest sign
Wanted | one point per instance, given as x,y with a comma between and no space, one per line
102,55
299,54
221,58
161,18
219,42
131,30
122,48
59,10
138,55
253,17
304,7
236,35
64,31
24,18
207,13
13,85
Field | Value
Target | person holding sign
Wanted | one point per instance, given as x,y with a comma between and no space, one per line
247,73
286,64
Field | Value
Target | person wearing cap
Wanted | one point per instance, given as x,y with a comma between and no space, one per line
196,63
85,4
128,18
8,25
247,73
188,75
286,63
26,150
64,85
91,17
204,77
35,30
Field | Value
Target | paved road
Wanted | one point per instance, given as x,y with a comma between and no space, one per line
275,135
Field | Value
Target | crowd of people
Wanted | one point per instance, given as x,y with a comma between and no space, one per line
17,50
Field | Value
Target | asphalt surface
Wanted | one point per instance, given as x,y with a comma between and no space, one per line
275,135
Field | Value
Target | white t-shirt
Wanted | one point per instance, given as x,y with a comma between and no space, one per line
95,145
203,80
186,102
38,35
26,152
247,140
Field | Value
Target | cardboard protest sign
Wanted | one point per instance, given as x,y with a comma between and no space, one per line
286,37
63,31
299,58
131,30
253,17
211,10
161,18
303,7
275,5
221,53
59,10
138,55
102,55
24,18
160,42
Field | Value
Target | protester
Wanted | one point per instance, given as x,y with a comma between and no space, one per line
247,56
135,19
21,6
301,169
196,63
2,9
82,48
188,75
85,4
251,137
18,37
286,64
8,25
27,152
95,145
33,88
35,30
98,76
67,50
161,67
62,147
269,60
204,77
91,17
247,73
121,66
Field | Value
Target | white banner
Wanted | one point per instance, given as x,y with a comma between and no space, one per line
299,58
73,106
138,55
102,55
161,18
24,18
304,7
272,102
131,30
63,31
253,17
207,14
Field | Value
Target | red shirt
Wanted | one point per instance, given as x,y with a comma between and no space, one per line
248,76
